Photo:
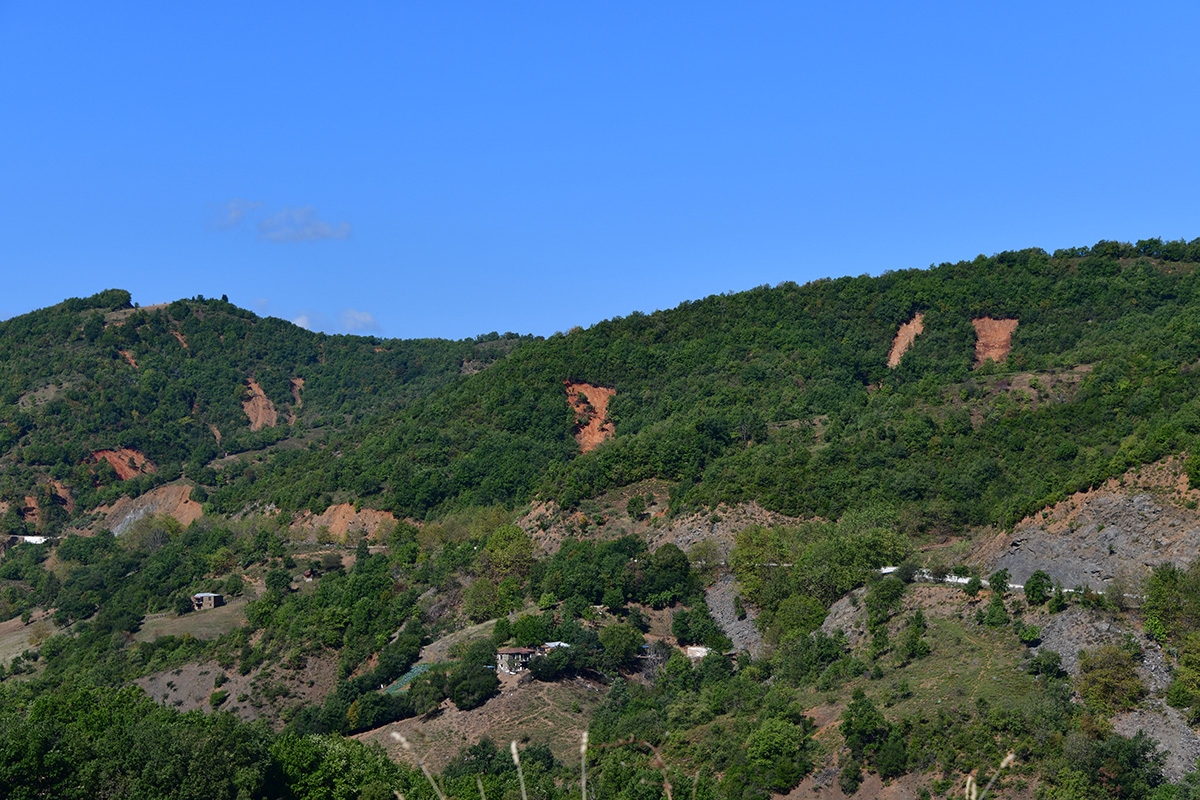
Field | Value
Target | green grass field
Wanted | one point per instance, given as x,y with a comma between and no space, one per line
208,624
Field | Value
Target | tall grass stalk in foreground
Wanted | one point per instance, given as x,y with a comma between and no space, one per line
583,767
520,772
421,763
972,791
583,749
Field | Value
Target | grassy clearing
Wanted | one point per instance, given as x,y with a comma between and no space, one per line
968,663
17,637
207,624
555,714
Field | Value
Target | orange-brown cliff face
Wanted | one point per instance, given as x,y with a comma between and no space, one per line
259,408
904,339
993,339
128,463
590,404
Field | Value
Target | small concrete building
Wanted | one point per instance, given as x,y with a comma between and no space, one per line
513,659
207,600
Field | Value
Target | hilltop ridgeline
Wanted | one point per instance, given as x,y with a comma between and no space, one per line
788,396
785,396
108,399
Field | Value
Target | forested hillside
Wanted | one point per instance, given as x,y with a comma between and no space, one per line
182,384
783,395
1027,378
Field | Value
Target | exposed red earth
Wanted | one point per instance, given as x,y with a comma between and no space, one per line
904,339
993,339
590,404
259,408
128,463
342,518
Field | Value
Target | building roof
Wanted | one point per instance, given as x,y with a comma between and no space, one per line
206,594
515,651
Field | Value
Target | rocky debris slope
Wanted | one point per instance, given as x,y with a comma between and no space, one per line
1079,629
848,616
1166,726
1076,629
743,632
1113,535
174,500
721,528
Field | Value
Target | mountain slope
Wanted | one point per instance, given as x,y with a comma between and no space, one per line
785,396
92,383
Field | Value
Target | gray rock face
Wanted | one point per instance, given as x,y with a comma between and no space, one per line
1166,726
1080,629
1115,533
849,616
743,632
1073,630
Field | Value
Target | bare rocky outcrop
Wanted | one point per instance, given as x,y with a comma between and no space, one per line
590,404
742,632
1076,629
1112,536
848,616
174,500
720,526
904,339
259,408
549,524
342,519
993,339
1168,727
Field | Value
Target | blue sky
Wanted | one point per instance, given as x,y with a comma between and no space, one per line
448,169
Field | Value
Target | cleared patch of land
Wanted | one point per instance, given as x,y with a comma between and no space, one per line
555,714
207,624
263,693
16,637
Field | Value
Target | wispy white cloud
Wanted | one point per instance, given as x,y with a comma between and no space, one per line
231,214
354,321
311,320
300,224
